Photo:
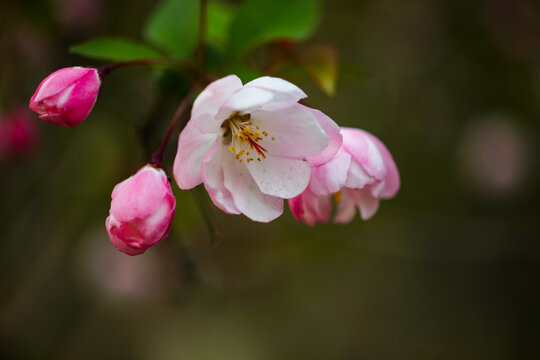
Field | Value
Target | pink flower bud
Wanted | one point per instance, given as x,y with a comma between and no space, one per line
142,210
67,96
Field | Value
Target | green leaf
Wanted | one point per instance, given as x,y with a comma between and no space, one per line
261,21
244,72
321,63
173,26
220,16
114,49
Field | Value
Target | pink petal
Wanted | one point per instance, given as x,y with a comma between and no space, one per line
213,177
330,177
296,132
58,81
357,177
156,226
141,212
346,208
281,177
192,147
361,146
317,209
149,185
335,138
367,203
247,196
67,96
214,95
297,207
118,242
391,180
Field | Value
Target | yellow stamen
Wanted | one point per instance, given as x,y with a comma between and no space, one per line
337,197
243,136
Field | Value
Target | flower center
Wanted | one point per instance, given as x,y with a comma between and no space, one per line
244,137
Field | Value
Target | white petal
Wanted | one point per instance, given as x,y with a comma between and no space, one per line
245,100
192,147
282,177
214,95
213,178
285,93
247,196
296,132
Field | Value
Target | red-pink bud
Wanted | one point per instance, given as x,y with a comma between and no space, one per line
67,96
142,210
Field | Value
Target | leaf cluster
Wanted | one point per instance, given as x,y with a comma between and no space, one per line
253,38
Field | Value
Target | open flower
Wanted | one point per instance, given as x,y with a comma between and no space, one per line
248,144
362,172
67,96
142,209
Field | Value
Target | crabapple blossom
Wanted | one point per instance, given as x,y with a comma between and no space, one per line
142,210
67,96
362,172
249,143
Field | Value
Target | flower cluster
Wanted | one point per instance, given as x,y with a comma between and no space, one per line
252,146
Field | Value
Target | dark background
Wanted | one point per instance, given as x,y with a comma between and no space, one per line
449,269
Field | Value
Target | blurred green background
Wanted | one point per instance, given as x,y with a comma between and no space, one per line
449,269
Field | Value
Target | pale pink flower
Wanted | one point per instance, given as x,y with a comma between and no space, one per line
362,172
248,144
67,96
142,210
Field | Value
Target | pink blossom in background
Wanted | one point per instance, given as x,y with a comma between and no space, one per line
67,96
142,210
495,156
249,143
360,174
18,134
116,278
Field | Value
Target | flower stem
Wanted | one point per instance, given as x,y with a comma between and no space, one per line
210,221
157,157
105,70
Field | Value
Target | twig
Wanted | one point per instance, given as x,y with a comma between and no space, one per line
105,70
157,157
